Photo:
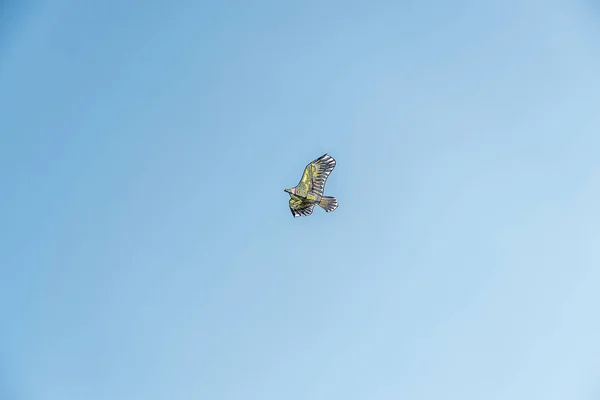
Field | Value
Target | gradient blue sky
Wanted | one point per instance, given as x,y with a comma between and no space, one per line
146,246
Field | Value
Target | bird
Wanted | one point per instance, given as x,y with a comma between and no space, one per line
309,191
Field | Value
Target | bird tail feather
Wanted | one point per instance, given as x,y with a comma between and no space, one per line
328,203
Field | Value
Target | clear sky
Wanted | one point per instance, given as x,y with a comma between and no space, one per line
146,246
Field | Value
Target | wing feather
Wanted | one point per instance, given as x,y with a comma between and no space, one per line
301,208
315,175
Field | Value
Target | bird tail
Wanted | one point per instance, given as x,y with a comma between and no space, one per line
328,203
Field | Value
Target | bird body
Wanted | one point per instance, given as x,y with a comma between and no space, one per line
309,191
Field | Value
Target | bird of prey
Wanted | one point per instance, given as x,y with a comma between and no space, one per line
309,191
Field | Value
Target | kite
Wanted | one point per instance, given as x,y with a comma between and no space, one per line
309,191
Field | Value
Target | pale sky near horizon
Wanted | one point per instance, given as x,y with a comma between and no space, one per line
146,246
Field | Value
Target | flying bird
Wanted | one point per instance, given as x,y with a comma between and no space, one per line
309,191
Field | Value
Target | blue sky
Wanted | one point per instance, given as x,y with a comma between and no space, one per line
147,250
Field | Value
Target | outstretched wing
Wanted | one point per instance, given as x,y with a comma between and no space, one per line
315,175
300,208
